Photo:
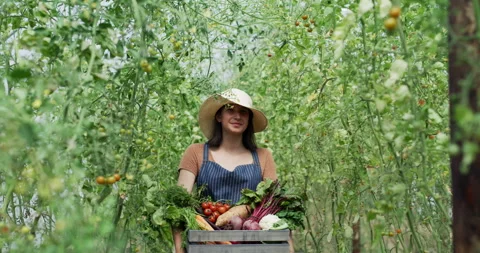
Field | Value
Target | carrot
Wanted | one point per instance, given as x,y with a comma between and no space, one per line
243,211
202,223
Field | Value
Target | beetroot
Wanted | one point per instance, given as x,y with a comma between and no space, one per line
236,222
251,225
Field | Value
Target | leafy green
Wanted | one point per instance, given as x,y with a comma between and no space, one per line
270,192
175,207
279,225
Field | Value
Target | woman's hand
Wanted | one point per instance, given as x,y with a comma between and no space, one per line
177,240
290,243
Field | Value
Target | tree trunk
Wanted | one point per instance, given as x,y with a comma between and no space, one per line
464,88
356,244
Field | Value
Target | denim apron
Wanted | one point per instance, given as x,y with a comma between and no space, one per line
222,184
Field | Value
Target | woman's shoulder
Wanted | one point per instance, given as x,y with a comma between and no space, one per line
195,148
264,151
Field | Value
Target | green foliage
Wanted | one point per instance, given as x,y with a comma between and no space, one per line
175,207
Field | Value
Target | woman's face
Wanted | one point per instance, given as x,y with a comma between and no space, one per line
234,118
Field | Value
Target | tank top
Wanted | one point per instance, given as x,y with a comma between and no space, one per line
223,185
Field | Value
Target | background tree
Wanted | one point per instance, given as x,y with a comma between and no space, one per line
464,79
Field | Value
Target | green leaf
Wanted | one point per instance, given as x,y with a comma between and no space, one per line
470,151
104,194
157,217
26,131
19,73
348,231
398,188
148,180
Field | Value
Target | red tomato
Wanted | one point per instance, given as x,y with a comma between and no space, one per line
207,212
209,203
212,219
219,204
227,206
222,209
213,208
216,214
204,205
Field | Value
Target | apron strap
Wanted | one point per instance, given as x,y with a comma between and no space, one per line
255,158
205,153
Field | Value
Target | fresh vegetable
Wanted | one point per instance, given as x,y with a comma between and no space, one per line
267,221
243,211
202,223
236,222
281,224
207,212
174,207
211,218
222,209
271,197
224,242
272,222
251,225
213,209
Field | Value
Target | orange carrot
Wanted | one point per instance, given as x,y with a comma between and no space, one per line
224,243
205,226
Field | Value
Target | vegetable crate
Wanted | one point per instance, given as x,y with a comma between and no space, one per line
249,241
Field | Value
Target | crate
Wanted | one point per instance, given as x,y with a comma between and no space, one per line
251,241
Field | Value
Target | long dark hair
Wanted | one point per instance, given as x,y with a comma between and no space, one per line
248,137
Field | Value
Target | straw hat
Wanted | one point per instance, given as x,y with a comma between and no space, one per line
209,108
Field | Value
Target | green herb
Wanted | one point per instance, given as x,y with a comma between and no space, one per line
175,207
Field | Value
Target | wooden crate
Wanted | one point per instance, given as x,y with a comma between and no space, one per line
258,241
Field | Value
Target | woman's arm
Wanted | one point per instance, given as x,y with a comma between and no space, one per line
187,180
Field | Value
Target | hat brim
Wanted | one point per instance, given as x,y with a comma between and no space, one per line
209,108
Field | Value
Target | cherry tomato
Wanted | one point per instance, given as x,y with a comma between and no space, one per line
110,180
390,24
207,212
209,203
219,204
212,219
101,180
395,12
216,214
213,208
227,206
204,205
222,209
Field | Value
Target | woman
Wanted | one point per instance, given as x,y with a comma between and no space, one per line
230,160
